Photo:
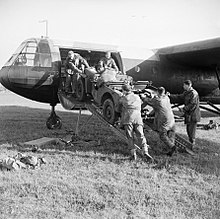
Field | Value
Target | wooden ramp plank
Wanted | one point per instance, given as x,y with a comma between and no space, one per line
180,142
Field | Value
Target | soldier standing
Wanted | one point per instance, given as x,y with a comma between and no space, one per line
73,67
191,110
131,120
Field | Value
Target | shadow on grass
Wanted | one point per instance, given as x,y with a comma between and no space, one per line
22,124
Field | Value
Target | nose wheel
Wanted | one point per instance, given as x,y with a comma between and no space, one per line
54,121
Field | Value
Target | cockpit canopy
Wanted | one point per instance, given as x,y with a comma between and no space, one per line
32,53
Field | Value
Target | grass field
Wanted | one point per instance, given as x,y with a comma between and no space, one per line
95,179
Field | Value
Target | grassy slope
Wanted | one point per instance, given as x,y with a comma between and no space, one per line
98,181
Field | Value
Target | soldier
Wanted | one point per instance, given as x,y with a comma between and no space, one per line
107,62
191,110
73,66
164,121
130,107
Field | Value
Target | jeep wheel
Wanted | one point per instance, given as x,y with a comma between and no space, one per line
80,91
109,111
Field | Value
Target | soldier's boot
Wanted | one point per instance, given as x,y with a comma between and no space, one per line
146,154
192,145
133,154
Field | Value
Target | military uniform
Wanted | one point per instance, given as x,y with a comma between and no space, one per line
191,111
72,67
109,63
164,121
130,105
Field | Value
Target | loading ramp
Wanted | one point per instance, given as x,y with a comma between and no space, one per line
70,103
180,142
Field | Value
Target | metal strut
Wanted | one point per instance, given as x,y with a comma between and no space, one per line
77,123
211,110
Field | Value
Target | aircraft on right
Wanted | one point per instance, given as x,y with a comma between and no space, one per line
171,66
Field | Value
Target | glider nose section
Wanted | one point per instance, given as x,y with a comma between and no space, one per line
4,77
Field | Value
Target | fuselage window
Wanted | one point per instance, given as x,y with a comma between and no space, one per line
137,68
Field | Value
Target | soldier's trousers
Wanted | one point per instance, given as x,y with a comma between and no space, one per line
168,137
136,129
191,131
70,84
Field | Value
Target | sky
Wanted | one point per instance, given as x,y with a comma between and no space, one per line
135,23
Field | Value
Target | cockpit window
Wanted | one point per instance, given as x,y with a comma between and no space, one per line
14,56
27,54
33,54
43,55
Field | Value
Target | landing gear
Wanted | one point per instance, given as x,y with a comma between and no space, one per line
54,121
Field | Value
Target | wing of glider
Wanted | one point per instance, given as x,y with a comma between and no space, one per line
204,53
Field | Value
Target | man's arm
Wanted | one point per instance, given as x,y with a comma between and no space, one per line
84,62
193,101
73,67
114,65
177,98
147,101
